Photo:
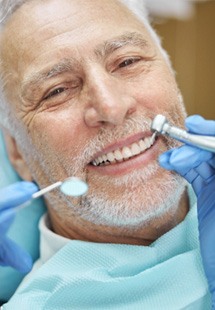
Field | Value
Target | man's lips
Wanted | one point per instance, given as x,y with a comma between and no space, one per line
120,153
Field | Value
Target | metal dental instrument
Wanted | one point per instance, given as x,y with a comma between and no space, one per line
72,186
160,125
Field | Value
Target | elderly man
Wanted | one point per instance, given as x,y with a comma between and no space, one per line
82,81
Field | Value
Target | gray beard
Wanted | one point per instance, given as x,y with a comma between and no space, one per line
141,202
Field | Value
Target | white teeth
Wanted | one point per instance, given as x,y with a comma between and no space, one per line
135,149
100,159
110,157
147,142
104,157
118,155
126,152
142,145
97,161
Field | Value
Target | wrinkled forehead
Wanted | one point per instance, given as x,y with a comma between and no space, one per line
47,8
41,25
36,20
29,14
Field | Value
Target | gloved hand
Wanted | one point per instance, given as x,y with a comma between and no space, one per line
198,168
10,197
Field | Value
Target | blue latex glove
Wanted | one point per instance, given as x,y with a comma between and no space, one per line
198,168
10,197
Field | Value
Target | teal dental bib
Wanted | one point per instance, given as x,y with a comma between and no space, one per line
166,275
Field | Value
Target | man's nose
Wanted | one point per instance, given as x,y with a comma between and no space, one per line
109,103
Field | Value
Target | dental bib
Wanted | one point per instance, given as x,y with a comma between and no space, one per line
166,275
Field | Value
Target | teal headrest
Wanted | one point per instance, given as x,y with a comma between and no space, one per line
24,229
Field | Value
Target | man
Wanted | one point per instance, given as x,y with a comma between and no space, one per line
82,81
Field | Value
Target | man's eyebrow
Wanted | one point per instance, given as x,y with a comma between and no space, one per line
68,65
64,65
128,38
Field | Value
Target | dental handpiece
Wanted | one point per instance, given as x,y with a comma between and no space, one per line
160,125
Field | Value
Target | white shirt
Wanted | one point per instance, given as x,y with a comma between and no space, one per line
50,243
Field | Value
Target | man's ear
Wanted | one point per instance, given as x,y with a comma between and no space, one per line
16,158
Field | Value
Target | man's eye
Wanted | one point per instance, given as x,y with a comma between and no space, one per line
128,62
55,92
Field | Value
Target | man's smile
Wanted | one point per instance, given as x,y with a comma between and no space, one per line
124,153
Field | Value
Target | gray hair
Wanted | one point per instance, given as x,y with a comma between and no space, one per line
8,7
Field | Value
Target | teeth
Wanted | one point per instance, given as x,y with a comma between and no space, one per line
147,142
118,155
142,145
135,149
110,157
100,159
97,161
126,152
104,157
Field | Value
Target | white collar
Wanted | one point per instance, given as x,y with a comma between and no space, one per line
50,242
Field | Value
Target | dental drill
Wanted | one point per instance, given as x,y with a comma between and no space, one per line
160,125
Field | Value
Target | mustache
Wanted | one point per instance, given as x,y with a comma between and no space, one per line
109,135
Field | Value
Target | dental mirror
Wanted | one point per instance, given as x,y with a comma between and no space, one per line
72,186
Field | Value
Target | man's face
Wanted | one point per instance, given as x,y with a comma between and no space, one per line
86,81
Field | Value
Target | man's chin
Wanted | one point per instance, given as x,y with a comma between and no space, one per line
134,205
